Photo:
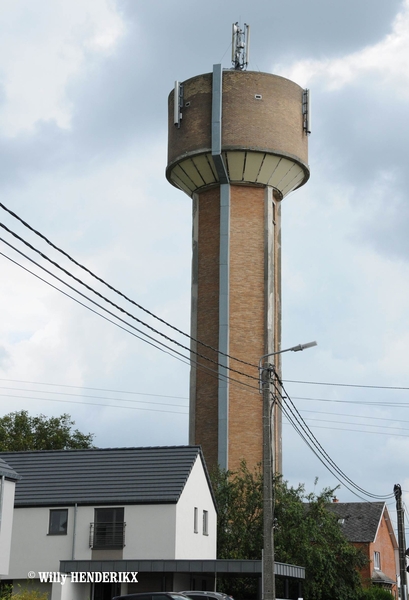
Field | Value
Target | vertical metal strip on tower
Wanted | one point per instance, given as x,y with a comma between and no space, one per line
272,291
223,437
193,320
223,386
278,415
217,84
269,270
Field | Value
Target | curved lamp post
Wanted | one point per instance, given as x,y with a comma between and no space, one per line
266,372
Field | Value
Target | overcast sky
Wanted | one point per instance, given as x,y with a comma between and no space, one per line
83,142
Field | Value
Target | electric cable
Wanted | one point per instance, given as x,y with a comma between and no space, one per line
112,288
353,385
78,264
55,264
176,354
174,412
359,431
359,402
357,424
320,412
317,444
93,388
328,458
12,389
314,451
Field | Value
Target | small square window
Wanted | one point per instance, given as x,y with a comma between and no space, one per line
58,522
205,522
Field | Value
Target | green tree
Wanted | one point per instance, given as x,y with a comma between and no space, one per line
375,593
239,498
306,534
20,431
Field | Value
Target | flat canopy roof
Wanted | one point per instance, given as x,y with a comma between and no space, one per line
219,566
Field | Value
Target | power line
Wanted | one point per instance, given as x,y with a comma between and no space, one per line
324,456
305,439
93,404
94,389
320,412
359,431
174,353
55,247
128,314
354,385
12,389
359,402
357,424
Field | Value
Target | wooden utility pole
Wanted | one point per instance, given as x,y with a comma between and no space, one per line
397,490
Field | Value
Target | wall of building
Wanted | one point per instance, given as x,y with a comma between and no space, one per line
384,546
32,549
7,489
196,494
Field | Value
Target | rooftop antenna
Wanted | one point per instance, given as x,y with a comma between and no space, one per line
240,47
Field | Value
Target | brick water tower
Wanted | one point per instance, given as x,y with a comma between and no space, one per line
238,144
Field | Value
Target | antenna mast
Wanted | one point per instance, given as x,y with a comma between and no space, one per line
240,46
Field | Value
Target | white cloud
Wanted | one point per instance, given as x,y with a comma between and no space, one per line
386,60
42,45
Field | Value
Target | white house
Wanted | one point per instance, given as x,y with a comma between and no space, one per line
8,478
102,507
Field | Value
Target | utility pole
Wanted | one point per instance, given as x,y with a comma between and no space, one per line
268,517
267,372
397,490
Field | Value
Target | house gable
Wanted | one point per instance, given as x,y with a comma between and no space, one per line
368,527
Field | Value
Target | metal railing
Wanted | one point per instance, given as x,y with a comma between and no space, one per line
107,535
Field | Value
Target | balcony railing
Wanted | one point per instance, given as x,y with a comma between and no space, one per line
107,535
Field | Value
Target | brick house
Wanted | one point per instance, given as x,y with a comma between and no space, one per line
367,526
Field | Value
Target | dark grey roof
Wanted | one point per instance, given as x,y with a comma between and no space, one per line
102,476
361,519
7,471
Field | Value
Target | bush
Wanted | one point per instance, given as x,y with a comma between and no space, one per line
376,593
24,593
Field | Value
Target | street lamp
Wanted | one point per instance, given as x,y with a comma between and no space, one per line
266,371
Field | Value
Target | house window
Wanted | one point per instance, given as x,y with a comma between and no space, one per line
58,521
377,561
196,520
108,529
205,522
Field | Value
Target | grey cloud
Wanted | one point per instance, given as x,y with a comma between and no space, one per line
316,27
359,142
121,100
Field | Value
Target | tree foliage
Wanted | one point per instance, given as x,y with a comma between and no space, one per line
305,534
20,431
21,593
